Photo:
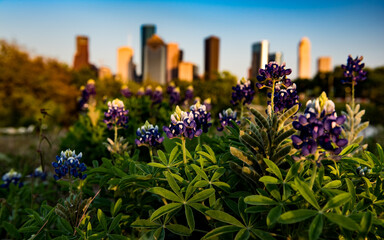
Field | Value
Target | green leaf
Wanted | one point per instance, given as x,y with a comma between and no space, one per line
337,201
155,164
259,200
224,186
240,155
381,153
11,230
115,222
366,222
201,184
200,172
116,207
102,219
287,114
292,172
164,210
349,149
262,122
296,216
166,194
117,237
218,173
172,157
343,221
143,223
316,227
307,193
201,196
190,218
207,156
162,157
65,225
191,189
269,180
273,168
273,215
172,183
243,234
221,230
211,152
224,217
179,229
262,235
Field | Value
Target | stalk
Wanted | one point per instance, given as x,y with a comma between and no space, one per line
115,133
184,152
151,153
353,111
272,95
241,110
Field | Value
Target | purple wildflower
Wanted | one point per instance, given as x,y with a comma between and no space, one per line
273,73
201,116
284,99
11,177
174,97
353,71
88,92
157,95
125,91
226,118
189,93
148,91
140,92
243,92
182,125
148,135
116,114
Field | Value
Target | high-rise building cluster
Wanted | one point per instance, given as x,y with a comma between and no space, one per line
163,62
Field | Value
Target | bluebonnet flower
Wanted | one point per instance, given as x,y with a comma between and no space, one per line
226,118
148,91
284,99
189,93
87,93
148,135
201,116
182,125
174,97
319,126
362,171
38,173
116,114
157,95
125,91
11,177
69,163
171,87
140,92
273,73
353,71
243,92
208,104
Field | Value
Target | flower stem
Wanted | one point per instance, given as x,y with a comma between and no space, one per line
314,171
272,95
241,110
115,134
353,95
184,151
151,153
353,112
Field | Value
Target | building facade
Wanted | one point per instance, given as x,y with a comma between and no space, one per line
324,64
147,31
186,71
212,52
276,57
155,55
81,56
125,66
260,52
173,58
304,60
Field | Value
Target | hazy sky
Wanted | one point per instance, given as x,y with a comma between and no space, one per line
335,28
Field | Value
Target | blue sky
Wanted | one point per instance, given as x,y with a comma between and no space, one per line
335,28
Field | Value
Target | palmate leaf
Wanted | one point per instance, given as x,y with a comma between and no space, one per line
102,219
179,229
316,227
337,201
243,234
343,221
259,200
220,231
166,194
190,218
274,215
273,168
201,196
172,183
307,193
296,216
144,223
224,217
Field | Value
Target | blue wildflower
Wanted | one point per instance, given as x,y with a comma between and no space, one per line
201,116
273,73
148,91
353,71
243,92
140,92
174,97
11,177
189,93
182,125
319,126
226,118
284,99
38,173
69,163
87,93
116,114
157,95
148,135
171,86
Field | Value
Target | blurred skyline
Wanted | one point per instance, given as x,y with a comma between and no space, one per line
335,28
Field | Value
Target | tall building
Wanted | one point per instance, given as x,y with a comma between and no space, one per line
125,67
304,61
173,57
155,55
186,71
81,56
104,72
324,64
147,31
276,57
212,50
260,51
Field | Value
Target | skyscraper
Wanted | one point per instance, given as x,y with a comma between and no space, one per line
104,72
304,61
81,56
276,57
212,49
147,31
125,69
260,51
186,71
173,56
324,64
155,55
